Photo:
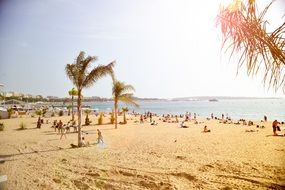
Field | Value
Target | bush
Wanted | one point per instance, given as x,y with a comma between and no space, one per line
39,112
22,126
60,113
87,120
112,119
52,114
100,119
10,112
2,126
44,111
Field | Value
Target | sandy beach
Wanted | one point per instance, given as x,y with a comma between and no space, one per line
142,156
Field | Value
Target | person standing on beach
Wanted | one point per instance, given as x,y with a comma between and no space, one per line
100,137
60,127
63,132
39,123
274,126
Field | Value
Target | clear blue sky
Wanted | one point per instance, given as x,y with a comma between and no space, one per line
164,48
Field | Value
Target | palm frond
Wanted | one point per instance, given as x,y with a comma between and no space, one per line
244,33
117,88
128,88
125,109
72,73
97,73
73,92
80,58
122,92
86,63
128,99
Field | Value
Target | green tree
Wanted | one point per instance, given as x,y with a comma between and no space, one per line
122,92
82,78
73,92
245,33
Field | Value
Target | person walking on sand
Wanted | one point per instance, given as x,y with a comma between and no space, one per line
63,132
100,137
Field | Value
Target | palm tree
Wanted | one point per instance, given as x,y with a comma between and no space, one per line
125,109
73,92
244,32
80,76
122,92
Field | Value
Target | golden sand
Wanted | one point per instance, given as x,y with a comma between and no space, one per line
142,156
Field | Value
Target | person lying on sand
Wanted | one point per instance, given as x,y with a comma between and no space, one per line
153,123
251,130
83,143
182,125
237,123
206,130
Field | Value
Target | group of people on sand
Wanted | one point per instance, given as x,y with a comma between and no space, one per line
87,143
99,138
147,115
64,128
170,118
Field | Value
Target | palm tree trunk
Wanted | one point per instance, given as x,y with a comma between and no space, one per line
72,112
116,114
125,119
79,118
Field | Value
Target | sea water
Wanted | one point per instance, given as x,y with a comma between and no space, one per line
254,109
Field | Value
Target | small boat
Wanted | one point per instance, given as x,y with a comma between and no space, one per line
213,100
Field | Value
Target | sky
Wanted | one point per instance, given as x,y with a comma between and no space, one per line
164,48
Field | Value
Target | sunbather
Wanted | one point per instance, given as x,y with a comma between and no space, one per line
182,125
206,130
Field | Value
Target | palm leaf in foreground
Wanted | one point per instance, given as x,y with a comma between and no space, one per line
244,33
